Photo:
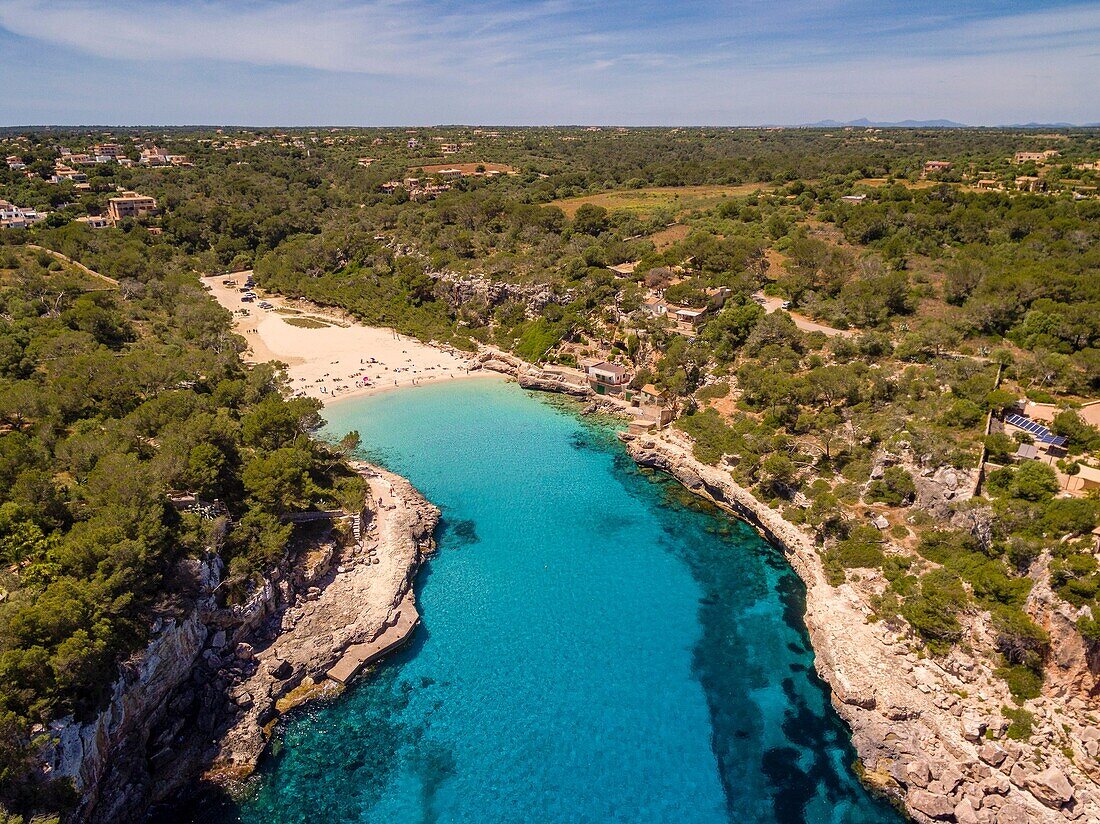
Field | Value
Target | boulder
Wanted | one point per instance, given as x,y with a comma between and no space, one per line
965,813
919,773
992,753
1050,786
930,804
996,784
280,669
849,693
1013,813
949,780
973,728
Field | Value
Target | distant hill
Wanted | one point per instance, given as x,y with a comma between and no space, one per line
1044,125
863,122
881,124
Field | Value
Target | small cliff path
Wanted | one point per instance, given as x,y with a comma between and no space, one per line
66,259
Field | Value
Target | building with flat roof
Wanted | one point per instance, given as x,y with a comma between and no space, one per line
64,173
130,205
1086,479
1034,157
607,377
18,217
934,166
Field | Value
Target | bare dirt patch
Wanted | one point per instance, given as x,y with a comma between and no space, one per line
467,168
669,236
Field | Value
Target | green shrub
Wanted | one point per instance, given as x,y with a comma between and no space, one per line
896,488
1022,723
1090,631
1034,481
714,390
713,437
933,612
1023,682
963,414
855,553
1000,447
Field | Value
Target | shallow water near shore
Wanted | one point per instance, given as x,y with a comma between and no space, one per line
596,646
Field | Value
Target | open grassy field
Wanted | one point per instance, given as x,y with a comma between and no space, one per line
676,198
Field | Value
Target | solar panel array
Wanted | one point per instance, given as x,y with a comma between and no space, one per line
1040,432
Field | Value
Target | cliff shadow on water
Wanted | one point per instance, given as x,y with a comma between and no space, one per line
771,714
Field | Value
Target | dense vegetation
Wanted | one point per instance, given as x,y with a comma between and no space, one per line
939,305
109,400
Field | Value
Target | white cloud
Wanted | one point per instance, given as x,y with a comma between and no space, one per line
391,61
379,37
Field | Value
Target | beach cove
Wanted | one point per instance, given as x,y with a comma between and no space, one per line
594,647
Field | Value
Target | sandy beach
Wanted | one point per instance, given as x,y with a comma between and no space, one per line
328,356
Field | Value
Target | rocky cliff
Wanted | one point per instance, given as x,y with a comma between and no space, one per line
929,732
479,290
202,696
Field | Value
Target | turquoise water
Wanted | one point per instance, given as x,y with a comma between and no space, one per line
594,646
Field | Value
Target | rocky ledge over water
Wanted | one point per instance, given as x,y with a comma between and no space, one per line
929,732
356,602
206,691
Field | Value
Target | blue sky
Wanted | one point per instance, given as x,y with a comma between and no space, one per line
631,62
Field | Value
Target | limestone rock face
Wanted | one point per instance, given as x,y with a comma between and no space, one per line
202,690
934,806
105,758
931,727
461,290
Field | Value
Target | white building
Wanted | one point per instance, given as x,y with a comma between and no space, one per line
18,217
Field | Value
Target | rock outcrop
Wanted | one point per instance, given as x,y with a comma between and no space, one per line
461,290
929,732
353,604
112,759
202,696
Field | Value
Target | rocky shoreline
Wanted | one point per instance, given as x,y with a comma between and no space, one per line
929,733
204,695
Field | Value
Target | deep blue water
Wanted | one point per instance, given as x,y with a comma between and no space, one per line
595,646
